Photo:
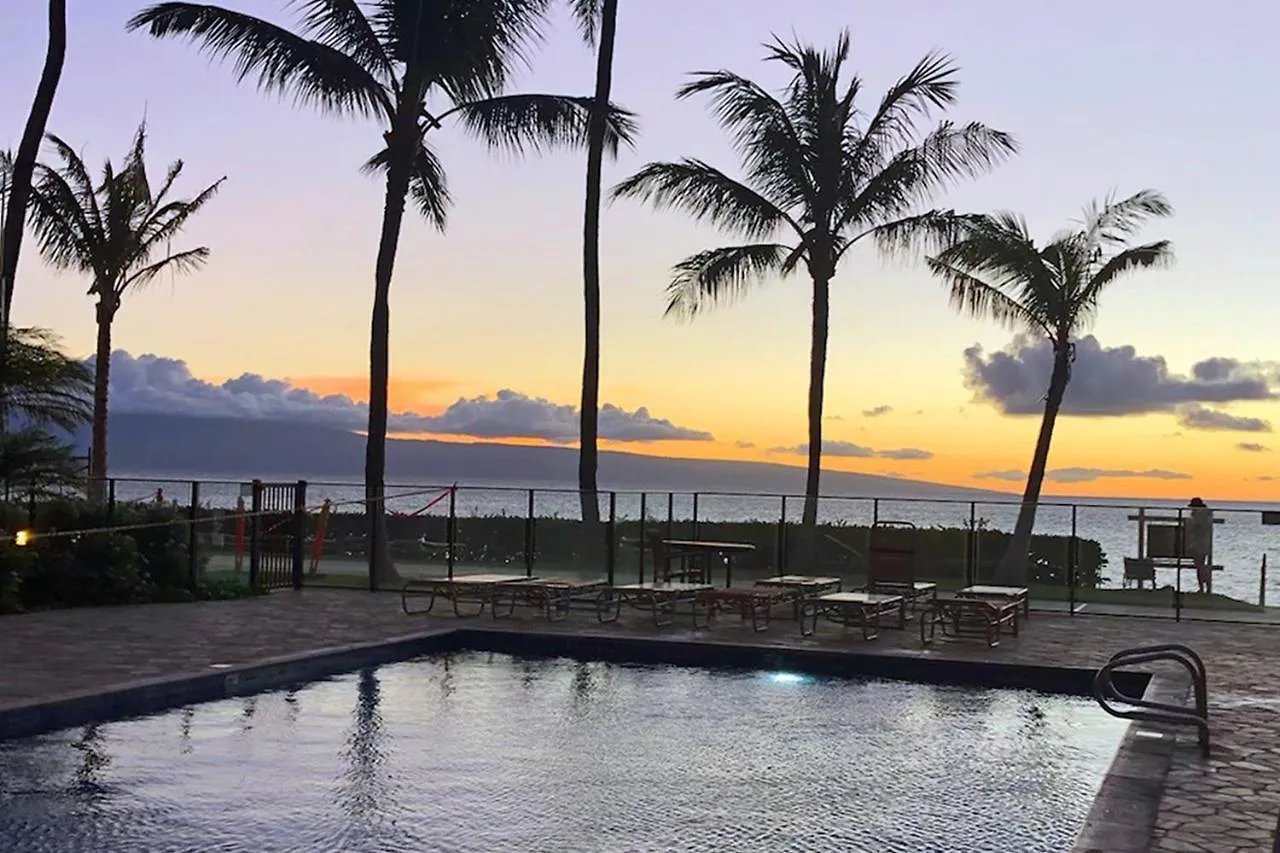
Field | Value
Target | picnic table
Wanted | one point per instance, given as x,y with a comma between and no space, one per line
699,547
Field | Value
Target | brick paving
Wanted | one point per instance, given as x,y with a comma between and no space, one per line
1227,803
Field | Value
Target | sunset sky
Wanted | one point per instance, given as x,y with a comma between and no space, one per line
1102,96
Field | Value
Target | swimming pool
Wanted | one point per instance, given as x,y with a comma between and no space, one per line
489,753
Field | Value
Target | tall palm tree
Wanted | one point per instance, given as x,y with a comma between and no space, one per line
119,232
995,271
820,175
411,65
595,17
21,167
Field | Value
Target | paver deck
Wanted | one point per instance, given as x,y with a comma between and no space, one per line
1226,803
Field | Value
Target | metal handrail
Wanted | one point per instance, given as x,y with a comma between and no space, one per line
1106,692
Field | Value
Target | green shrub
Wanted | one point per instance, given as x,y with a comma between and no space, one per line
84,570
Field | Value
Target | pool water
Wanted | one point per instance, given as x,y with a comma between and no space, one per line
481,753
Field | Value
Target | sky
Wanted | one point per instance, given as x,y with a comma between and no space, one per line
1171,394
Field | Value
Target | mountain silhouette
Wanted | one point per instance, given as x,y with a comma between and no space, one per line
148,445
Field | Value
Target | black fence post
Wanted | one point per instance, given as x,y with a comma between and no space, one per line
1073,562
671,515
971,547
609,536
299,530
1180,551
449,532
255,529
695,515
875,511
111,500
529,534
780,557
193,539
640,546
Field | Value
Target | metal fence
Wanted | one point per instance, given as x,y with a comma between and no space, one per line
1101,557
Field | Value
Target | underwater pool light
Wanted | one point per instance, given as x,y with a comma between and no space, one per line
789,678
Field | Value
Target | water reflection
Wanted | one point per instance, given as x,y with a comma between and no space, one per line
366,789
93,760
187,716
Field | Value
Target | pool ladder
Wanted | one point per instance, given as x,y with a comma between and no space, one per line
1106,692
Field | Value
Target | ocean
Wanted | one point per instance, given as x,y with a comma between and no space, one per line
1240,541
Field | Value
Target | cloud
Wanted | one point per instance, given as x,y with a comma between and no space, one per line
1085,475
744,445
1198,417
151,384
849,449
1266,478
1252,447
1008,474
905,454
877,411
1107,381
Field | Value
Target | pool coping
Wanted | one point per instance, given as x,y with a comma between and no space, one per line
1121,819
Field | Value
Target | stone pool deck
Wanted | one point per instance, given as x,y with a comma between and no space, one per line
1226,803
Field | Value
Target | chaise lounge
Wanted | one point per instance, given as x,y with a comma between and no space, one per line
891,563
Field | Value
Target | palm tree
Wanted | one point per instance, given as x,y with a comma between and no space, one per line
21,168
118,232
594,17
411,65
821,176
996,271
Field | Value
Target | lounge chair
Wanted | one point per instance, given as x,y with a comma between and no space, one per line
1019,595
553,596
477,589
860,609
968,617
891,563
753,602
660,599
806,587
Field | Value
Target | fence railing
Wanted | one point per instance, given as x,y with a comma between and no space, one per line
1084,557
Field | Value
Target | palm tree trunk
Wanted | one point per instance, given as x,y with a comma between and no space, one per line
589,410
1012,568
101,392
817,380
24,164
402,142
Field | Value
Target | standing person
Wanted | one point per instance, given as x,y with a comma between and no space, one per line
1199,543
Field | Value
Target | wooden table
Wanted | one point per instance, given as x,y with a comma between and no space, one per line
1019,595
752,601
863,609
726,550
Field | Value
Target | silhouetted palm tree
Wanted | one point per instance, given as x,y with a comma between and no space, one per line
119,232
22,165
411,65
996,271
821,176
595,18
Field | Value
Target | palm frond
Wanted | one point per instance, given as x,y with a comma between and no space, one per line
977,298
163,224
344,26
763,135
520,123
708,195
313,72
1146,256
587,15
929,232
917,175
467,50
44,386
1114,221
179,263
931,84
721,276
64,230
428,187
